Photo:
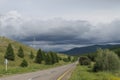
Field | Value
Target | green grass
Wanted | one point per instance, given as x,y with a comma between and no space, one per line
85,73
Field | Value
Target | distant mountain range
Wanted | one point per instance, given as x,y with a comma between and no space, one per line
88,49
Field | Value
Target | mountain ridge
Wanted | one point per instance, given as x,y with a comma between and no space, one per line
88,49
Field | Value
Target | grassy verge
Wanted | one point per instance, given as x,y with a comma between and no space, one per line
31,68
85,73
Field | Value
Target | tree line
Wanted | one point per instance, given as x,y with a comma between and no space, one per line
103,59
48,58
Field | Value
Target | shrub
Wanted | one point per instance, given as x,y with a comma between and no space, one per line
84,60
106,60
74,59
59,58
69,58
24,63
91,56
65,59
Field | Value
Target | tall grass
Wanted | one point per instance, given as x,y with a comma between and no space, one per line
85,73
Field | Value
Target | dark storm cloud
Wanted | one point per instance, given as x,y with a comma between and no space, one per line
62,32
56,39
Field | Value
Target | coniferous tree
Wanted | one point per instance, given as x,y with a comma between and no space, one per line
52,57
43,56
10,53
21,52
39,57
31,55
24,63
48,59
56,57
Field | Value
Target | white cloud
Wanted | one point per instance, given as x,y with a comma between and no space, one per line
105,32
13,24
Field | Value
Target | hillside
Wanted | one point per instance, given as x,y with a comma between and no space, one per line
14,66
88,49
3,45
5,41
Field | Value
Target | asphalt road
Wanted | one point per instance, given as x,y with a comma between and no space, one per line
49,74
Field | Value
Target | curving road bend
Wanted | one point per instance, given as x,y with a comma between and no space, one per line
49,74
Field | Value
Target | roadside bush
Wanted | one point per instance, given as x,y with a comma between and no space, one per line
106,60
59,58
91,56
74,59
69,58
84,60
65,59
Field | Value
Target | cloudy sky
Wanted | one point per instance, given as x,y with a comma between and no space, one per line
60,24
